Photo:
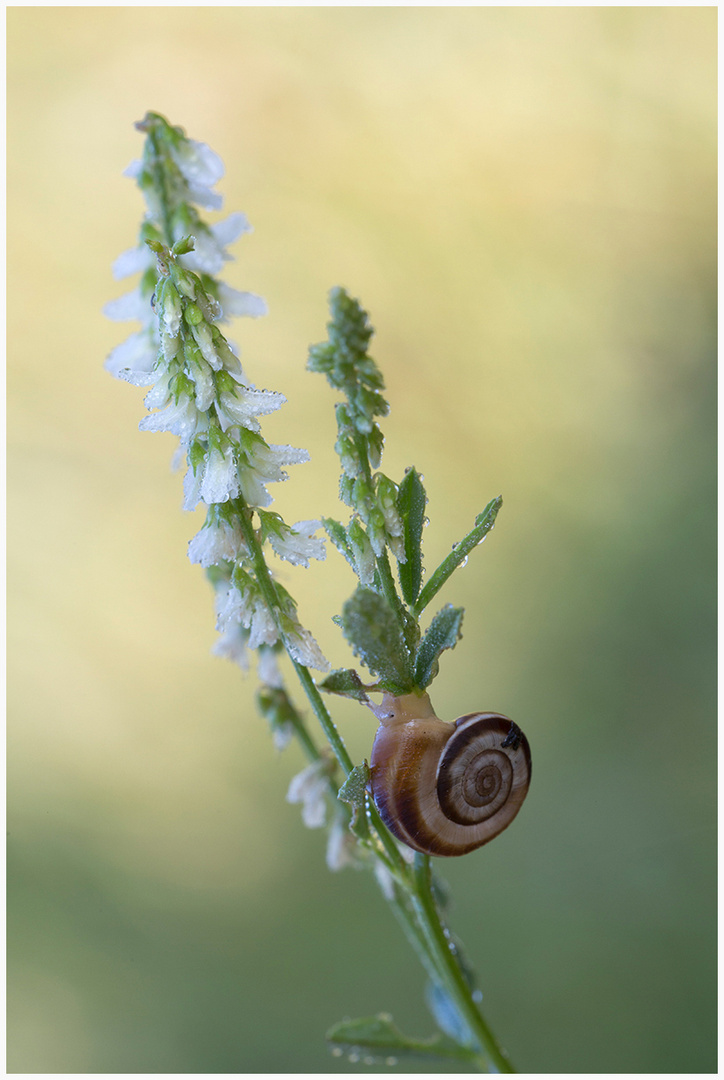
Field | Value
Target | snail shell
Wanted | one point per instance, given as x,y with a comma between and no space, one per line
446,788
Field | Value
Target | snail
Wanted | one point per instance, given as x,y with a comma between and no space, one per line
446,788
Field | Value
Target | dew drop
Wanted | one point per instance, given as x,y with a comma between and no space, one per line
354,1058
337,1051
465,561
477,996
386,1018
368,1061
391,1061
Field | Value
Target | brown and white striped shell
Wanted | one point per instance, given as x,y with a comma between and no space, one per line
446,788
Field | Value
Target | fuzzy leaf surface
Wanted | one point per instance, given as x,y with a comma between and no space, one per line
371,628
442,633
411,500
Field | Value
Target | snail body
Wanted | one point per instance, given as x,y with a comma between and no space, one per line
446,788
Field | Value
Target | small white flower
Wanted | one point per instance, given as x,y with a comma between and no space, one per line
134,359
304,649
204,340
181,417
198,163
265,468
232,645
210,254
192,486
341,845
133,170
128,307
220,481
262,627
203,380
234,302
244,404
216,540
231,608
298,545
269,674
133,261
309,787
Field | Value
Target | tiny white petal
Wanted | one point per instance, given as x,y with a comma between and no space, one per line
192,487
301,548
134,359
262,628
204,196
216,541
309,787
132,261
305,650
204,340
231,228
127,307
133,171
198,162
179,417
234,302
231,645
340,845
269,673
220,482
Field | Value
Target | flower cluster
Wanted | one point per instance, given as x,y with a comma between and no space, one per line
199,392
343,358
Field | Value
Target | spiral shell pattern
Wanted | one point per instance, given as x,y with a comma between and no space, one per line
446,789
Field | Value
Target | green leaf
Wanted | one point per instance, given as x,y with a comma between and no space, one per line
347,683
484,522
376,1039
355,786
338,535
442,633
411,501
371,628
354,792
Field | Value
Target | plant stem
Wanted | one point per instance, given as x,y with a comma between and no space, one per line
425,932
455,982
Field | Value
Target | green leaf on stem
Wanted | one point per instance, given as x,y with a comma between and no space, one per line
377,1040
347,683
484,522
338,535
411,501
372,629
354,792
442,633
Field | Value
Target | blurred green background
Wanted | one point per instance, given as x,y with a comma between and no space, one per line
524,199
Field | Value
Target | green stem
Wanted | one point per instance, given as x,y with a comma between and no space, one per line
454,979
425,932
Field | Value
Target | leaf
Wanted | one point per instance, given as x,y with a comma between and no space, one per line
411,501
347,683
371,628
354,792
484,522
338,535
376,1039
442,633
354,788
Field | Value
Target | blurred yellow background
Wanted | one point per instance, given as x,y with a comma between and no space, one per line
524,200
